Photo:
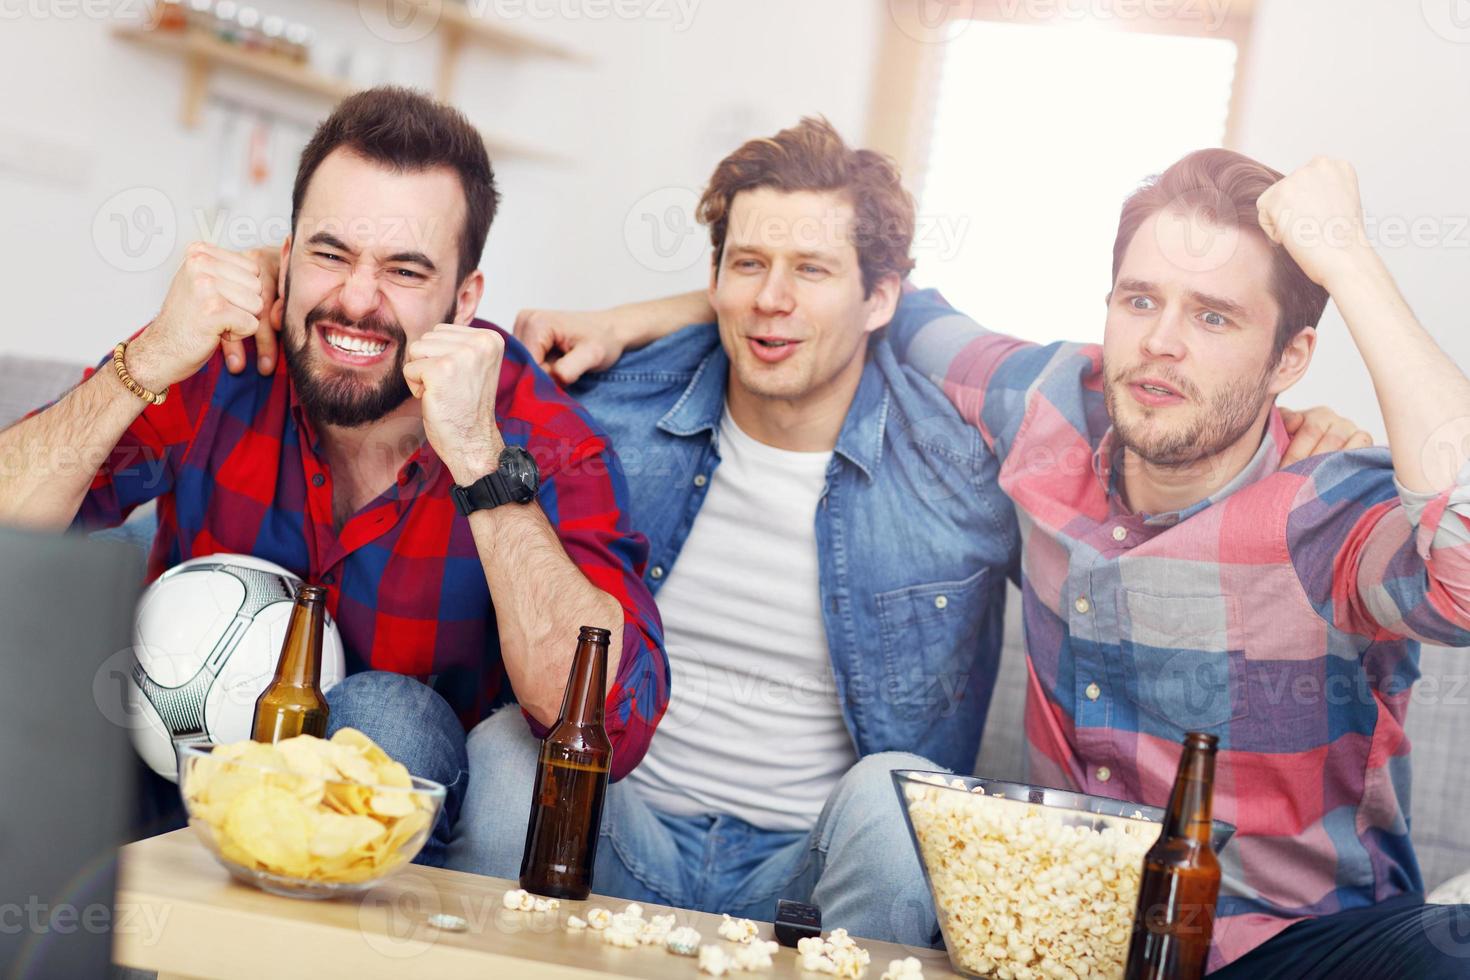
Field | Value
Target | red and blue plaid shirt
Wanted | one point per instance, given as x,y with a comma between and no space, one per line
1283,614
236,467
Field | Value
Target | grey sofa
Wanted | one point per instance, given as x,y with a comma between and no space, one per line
1438,725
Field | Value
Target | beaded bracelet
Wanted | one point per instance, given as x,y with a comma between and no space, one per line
150,397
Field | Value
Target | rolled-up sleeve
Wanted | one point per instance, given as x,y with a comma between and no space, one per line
1399,561
586,500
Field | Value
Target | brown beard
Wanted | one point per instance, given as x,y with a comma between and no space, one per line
1227,417
330,398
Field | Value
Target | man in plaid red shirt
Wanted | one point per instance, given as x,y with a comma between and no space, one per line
344,467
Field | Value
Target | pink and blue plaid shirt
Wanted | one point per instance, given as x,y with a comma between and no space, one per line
1283,614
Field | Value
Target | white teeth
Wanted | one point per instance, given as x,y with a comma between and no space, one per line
355,345
1162,391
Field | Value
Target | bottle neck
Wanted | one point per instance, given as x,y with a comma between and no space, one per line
1191,804
586,684
301,654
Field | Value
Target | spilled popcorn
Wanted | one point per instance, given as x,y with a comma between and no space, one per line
908,968
836,955
517,900
738,930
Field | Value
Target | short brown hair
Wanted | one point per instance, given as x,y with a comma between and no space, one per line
1224,186
811,156
408,131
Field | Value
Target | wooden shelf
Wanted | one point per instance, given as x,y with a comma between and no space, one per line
203,53
457,26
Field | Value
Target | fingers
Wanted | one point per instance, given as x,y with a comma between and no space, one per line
533,330
267,342
1291,419
234,351
576,362
241,297
413,373
242,263
1361,440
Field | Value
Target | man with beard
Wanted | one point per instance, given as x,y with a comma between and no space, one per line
1177,578
1181,572
395,462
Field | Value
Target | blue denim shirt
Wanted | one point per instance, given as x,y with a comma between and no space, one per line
914,535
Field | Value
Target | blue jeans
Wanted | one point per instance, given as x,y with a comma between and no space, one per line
858,863
415,725
1397,939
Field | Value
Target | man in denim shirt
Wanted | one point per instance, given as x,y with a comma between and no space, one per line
829,553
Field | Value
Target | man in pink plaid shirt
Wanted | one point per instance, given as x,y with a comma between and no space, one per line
1181,572
1176,578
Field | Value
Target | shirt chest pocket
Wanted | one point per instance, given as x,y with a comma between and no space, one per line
1179,663
931,635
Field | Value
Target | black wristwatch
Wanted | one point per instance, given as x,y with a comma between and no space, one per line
515,482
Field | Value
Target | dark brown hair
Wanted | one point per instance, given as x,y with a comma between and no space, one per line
1223,186
408,131
811,156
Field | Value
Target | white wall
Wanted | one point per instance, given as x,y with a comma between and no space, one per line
88,118
1372,81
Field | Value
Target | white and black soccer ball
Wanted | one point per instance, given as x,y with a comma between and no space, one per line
205,641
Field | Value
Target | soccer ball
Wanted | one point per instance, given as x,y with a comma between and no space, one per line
206,640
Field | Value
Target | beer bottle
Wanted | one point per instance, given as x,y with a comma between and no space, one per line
293,704
571,780
1181,877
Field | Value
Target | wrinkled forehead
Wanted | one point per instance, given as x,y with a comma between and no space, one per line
1183,252
376,210
795,222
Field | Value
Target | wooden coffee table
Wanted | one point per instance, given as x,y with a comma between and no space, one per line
180,913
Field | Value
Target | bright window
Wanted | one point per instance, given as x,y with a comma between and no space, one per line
1039,133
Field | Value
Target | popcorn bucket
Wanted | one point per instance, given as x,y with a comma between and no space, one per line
1030,881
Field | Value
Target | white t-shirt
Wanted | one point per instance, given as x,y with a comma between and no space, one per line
754,728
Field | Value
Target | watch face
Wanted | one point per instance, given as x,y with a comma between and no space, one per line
521,473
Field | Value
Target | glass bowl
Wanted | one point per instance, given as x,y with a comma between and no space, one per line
299,835
1029,876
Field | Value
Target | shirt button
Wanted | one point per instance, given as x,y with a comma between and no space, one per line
941,601
1104,774
1093,692
318,480
1082,605
1119,533
701,480
329,578
658,571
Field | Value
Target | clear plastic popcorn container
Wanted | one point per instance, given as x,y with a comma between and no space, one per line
1030,882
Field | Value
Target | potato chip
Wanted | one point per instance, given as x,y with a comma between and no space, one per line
330,811
270,825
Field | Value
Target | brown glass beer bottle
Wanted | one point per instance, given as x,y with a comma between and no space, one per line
293,704
1181,877
571,780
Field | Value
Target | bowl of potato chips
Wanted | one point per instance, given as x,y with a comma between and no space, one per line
307,817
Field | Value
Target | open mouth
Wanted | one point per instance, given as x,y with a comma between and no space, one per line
355,347
772,349
1153,392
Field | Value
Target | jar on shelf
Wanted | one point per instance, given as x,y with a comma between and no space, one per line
225,26
248,23
168,15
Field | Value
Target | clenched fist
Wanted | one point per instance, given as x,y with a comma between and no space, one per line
1316,214
216,297
454,371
